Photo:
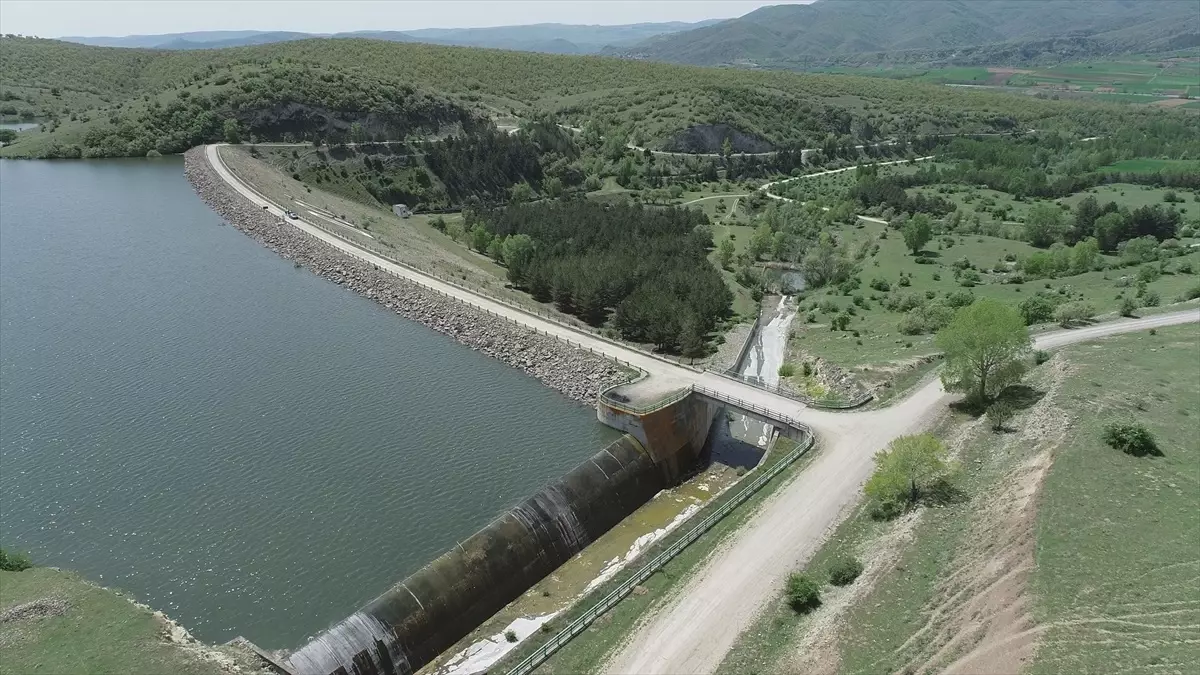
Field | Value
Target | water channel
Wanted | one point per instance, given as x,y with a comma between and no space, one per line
186,416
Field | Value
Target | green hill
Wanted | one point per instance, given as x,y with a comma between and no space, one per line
111,101
831,32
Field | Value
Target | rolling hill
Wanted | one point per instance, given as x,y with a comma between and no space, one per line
103,101
551,38
838,32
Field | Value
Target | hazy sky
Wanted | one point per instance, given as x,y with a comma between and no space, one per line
56,18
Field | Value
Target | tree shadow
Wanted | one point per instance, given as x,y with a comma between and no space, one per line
1021,396
924,253
943,493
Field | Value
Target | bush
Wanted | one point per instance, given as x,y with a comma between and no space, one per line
998,413
787,370
1131,438
1073,312
14,562
844,571
1128,306
1192,293
1151,299
881,285
510,635
802,592
1041,356
958,299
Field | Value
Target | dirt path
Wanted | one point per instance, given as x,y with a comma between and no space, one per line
693,632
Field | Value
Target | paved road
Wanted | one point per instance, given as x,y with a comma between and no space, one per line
692,633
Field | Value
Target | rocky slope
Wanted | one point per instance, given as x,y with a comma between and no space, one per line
575,373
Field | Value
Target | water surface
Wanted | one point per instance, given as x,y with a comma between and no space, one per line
251,449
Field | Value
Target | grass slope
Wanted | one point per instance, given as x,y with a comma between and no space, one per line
99,632
1113,588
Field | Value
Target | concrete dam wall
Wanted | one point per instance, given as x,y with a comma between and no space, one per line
416,620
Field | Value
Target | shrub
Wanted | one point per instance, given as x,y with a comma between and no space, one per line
998,413
1192,293
1073,312
881,285
844,571
1041,356
1037,309
958,299
902,302
927,318
1128,306
787,370
14,562
510,635
1131,438
807,369
1148,273
802,592
1151,299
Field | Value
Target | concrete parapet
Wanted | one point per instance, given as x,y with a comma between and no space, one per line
671,425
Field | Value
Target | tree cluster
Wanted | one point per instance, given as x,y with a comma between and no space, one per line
644,269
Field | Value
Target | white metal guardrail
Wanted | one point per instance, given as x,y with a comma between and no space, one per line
544,652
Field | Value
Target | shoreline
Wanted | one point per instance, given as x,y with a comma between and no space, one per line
579,375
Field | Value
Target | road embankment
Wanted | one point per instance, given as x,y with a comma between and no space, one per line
577,374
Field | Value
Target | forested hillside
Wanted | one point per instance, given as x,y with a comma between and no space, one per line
112,95
830,32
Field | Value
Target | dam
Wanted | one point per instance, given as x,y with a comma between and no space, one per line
408,626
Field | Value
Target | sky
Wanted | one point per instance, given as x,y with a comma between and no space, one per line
57,18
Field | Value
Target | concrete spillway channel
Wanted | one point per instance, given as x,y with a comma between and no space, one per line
416,620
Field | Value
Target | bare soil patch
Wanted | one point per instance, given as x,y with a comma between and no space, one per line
1000,75
1171,102
980,619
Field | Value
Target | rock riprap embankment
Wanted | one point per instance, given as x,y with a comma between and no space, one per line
576,373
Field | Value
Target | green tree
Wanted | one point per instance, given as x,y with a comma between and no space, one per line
983,346
521,192
357,133
725,253
7,135
495,249
760,242
1044,225
910,469
1084,255
232,133
518,252
480,238
691,337
917,232
552,186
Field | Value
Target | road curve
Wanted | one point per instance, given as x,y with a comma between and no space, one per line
694,630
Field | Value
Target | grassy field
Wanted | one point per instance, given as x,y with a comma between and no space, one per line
1123,77
1102,560
879,341
1153,165
93,630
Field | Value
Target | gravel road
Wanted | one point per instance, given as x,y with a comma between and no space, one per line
693,632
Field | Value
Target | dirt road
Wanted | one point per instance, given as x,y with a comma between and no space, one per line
693,632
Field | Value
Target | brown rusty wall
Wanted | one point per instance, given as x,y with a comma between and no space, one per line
674,435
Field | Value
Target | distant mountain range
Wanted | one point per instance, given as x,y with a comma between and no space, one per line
823,34
857,32
551,38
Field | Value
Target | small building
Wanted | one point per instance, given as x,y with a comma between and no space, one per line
401,210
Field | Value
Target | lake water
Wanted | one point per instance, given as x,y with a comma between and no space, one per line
253,450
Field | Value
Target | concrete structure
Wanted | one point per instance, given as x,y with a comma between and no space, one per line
401,210
419,618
